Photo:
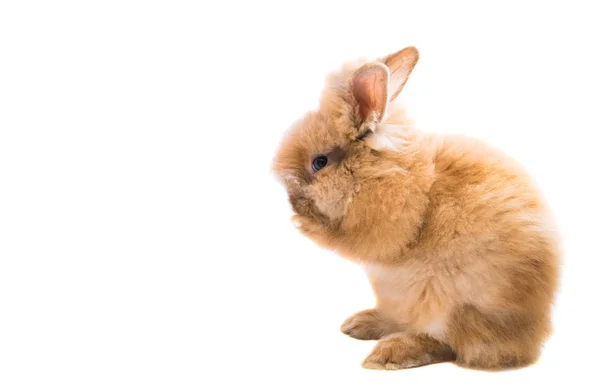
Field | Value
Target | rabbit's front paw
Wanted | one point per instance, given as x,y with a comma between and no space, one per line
368,325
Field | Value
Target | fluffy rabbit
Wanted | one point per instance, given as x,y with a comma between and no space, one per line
457,243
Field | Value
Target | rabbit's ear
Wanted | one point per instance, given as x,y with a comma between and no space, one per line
400,65
369,87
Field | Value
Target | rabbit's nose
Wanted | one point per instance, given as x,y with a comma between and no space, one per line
365,134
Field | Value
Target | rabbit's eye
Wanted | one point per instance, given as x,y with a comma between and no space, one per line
319,162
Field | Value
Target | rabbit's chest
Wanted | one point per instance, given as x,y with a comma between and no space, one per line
413,297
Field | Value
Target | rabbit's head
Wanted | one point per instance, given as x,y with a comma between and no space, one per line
331,153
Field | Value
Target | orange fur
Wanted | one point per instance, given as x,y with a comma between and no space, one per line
455,239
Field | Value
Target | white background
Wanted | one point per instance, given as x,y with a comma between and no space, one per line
144,244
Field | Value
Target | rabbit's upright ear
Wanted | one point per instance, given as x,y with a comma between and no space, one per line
375,84
369,87
400,65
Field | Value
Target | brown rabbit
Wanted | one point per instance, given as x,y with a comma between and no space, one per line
458,245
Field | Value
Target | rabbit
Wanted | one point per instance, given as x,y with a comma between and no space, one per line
457,243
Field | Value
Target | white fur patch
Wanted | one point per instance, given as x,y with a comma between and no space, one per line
388,136
436,329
